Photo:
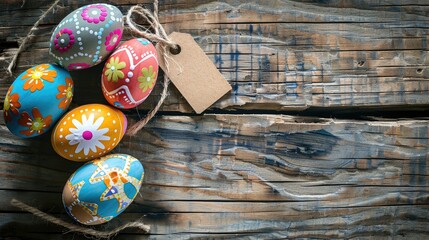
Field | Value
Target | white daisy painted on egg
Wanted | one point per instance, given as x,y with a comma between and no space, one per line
87,135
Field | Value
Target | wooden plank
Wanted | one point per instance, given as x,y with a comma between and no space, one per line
277,55
241,176
206,224
255,176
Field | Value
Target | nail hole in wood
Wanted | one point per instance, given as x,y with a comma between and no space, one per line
419,70
176,50
361,63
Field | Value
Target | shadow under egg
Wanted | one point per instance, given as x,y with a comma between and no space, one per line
87,85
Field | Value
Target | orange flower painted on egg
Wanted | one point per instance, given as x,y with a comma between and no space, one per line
36,75
11,104
38,124
65,93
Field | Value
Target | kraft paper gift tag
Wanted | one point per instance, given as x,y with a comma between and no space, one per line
194,74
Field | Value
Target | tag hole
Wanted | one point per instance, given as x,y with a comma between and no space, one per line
176,50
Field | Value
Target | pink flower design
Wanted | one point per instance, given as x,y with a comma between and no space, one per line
94,13
113,39
64,40
77,66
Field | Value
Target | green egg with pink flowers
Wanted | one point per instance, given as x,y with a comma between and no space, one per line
86,36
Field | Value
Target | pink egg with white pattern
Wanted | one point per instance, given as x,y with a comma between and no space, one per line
130,73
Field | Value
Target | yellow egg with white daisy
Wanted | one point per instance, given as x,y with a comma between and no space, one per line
88,132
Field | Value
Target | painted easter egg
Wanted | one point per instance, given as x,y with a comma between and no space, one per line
101,189
86,36
130,73
37,99
88,132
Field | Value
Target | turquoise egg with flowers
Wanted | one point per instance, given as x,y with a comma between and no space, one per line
37,99
103,188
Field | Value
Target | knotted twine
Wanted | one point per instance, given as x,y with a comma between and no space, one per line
77,228
160,36
24,42
165,44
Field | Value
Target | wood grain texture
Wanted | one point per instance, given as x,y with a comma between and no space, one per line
254,176
240,176
277,55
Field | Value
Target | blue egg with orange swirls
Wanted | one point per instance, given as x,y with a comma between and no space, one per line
103,188
37,99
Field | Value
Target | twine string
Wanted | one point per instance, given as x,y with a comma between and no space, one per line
24,42
165,44
161,37
140,124
77,228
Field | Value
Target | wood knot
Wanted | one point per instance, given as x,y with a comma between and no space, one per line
419,70
361,63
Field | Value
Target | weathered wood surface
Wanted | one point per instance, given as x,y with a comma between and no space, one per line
255,176
232,176
278,55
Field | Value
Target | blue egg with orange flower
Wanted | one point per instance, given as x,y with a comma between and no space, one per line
37,99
